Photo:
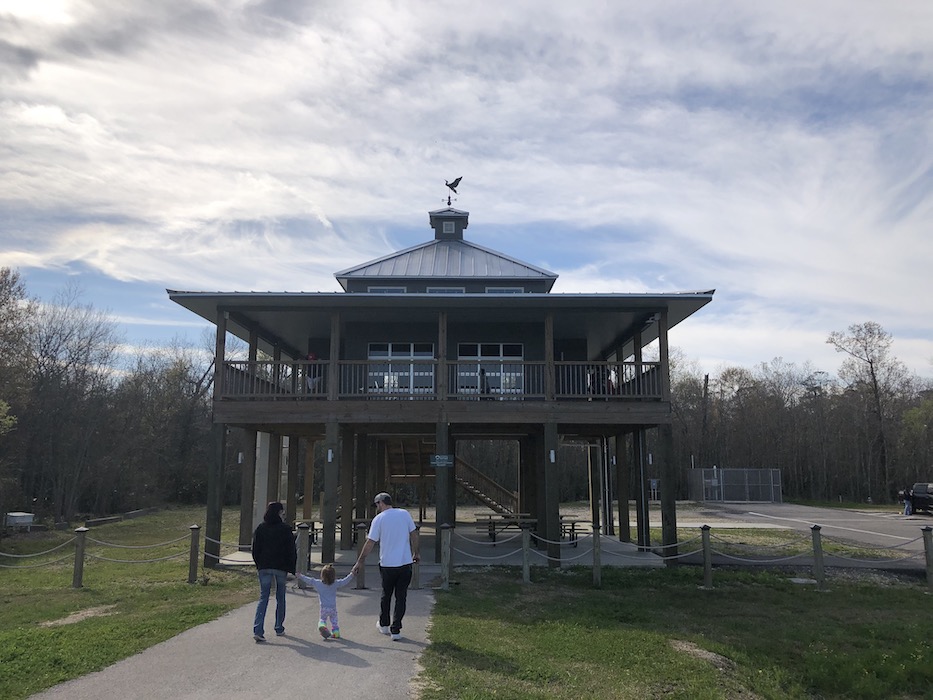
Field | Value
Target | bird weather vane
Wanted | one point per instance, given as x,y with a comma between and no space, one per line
453,187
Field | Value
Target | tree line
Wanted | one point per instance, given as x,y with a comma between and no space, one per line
84,429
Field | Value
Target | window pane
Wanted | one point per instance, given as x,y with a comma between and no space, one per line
512,350
491,350
424,350
378,349
468,350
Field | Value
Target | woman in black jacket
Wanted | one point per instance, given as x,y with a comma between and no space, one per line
275,556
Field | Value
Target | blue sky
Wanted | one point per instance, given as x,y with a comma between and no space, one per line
777,152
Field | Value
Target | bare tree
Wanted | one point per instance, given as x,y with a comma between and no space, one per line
66,416
875,377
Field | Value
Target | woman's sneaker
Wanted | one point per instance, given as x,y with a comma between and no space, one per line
324,631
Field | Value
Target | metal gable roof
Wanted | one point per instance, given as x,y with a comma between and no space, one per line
447,259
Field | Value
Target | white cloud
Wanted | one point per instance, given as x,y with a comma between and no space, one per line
779,153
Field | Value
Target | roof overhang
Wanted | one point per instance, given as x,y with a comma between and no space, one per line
287,319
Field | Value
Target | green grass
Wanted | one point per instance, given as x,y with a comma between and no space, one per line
645,633
657,633
147,603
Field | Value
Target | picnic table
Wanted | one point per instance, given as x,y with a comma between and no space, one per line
493,523
568,528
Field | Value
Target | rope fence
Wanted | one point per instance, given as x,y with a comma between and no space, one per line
672,552
543,548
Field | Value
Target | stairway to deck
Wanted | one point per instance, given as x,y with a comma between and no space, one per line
409,460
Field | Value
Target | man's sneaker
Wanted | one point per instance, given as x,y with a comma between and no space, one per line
324,631
335,634
259,638
383,629
279,633
396,636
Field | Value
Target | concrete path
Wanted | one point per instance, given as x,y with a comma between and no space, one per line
219,659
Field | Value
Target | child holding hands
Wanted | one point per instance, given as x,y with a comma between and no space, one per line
326,588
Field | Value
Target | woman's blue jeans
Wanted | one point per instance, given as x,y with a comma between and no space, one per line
266,578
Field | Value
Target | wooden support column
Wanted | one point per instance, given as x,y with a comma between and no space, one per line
247,487
642,522
291,480
347,440
669,488
664,352
549,370
527,484
215,495
329,504
594,466
443,483
307,510
274,475
551,513
361,467
261,499
220,349
670,483
623,477
441,379
333,367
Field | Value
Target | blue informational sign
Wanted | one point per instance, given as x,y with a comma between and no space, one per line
442,460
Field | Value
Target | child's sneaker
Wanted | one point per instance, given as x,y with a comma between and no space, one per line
335,634
324,631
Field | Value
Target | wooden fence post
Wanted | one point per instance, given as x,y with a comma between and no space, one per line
78,578
707,558
526,555
818,573
446,533
597,559
928,548
193,554
304,547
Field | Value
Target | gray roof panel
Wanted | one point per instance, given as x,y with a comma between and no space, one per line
448,259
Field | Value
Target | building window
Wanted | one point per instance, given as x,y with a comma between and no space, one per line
386,290
492,370
446,290
505,290
449,227
401,368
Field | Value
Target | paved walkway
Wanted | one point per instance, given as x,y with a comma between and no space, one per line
220,658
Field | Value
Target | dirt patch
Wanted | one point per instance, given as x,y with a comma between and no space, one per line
101,611
720,662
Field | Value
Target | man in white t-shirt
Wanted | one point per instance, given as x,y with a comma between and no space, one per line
397,536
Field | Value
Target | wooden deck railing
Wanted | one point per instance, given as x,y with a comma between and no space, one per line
467,380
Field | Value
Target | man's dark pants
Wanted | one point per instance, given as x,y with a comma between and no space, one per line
395,580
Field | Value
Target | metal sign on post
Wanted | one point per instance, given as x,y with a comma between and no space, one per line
442,460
